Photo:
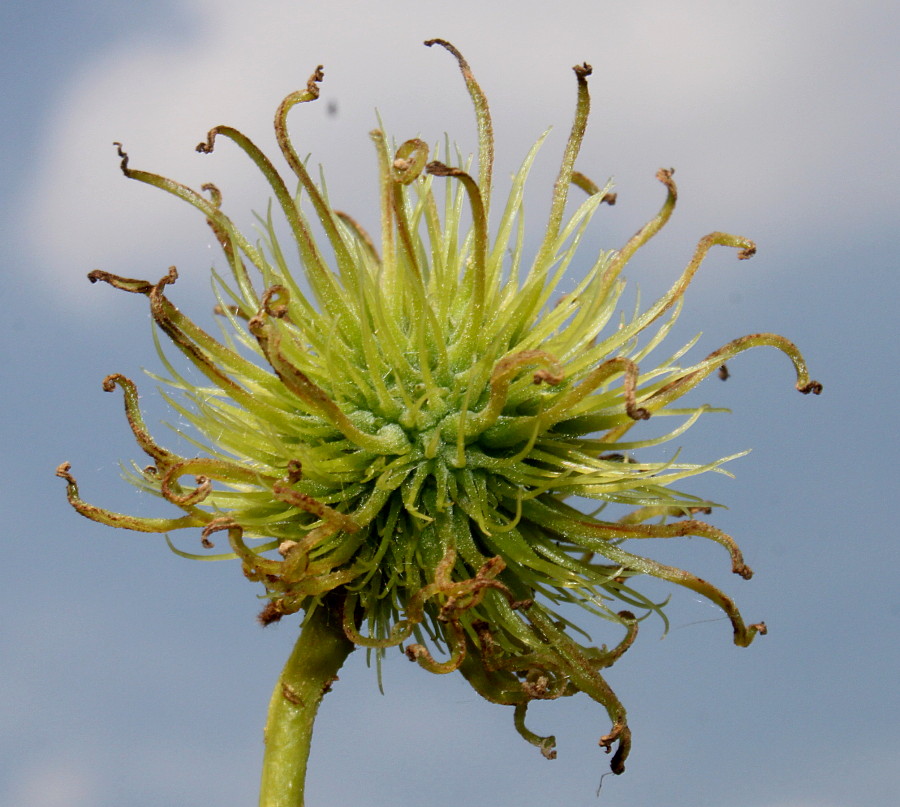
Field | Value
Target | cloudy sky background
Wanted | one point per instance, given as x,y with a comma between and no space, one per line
133,677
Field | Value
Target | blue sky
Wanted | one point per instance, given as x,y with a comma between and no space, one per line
133,677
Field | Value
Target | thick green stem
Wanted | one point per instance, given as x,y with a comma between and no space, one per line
312,667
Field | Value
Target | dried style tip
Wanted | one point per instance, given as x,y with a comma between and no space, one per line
404,430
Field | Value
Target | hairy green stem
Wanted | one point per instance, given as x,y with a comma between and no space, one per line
311,669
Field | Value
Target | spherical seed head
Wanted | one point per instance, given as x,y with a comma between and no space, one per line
408,434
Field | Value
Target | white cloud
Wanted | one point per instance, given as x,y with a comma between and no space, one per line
766,107
55,782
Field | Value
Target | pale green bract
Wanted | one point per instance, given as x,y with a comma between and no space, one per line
403,438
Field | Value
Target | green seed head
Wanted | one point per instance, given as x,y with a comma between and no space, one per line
410,434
